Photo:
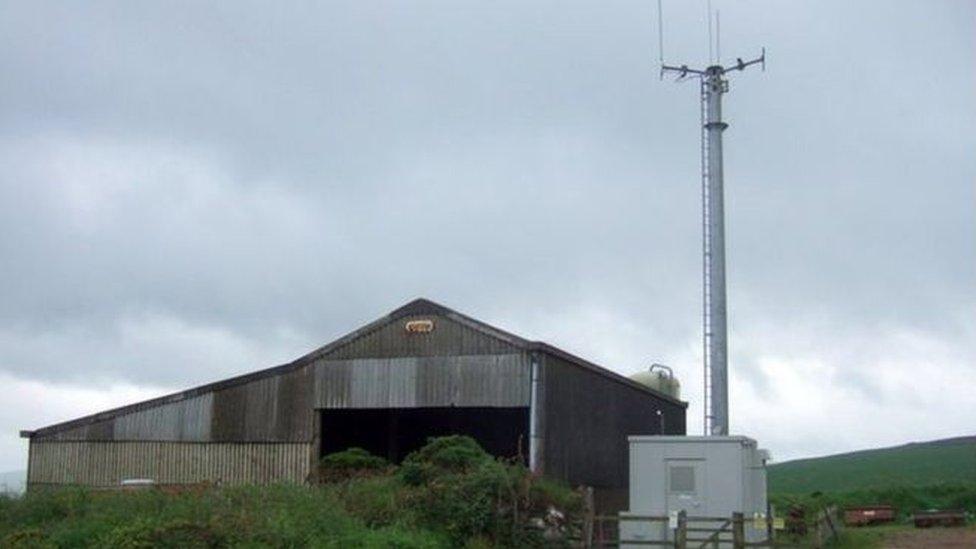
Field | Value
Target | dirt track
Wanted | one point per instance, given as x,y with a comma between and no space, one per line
935,538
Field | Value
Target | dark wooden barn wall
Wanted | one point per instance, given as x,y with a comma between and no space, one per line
587,418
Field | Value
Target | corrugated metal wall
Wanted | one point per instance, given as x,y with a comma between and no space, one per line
449,337
187,420
106,464
473,380
277,408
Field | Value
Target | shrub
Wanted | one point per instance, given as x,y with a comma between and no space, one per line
28,537
349,464
545,493
145,532
377,501
442,455
460,489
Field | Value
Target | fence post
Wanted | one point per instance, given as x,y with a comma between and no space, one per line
818,530
598,528
589,515
838,521
738,531
681,533
829,515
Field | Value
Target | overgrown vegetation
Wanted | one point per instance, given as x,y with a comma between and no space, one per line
448,494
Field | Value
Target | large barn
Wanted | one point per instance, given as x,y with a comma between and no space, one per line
423,370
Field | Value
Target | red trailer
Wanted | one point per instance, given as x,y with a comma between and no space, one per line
867,515
939,517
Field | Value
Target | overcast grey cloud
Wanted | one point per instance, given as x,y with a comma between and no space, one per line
195,190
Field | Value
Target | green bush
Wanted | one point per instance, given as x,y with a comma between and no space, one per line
377,501
145,532
545,493
463,491
442,455
28,537
349,464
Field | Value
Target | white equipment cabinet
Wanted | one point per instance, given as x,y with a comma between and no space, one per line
703,476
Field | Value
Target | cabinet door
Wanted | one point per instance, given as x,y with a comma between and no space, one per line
686,485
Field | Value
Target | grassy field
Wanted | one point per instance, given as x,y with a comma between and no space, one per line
279,516
943,462
905,536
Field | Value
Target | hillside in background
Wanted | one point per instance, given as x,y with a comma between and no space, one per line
13,481
946,461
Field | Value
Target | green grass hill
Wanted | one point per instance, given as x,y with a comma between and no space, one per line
941,462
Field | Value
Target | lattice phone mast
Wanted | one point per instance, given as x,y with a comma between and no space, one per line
714,84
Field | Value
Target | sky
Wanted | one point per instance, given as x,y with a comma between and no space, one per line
194,190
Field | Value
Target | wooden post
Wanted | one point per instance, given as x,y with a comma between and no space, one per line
738,531
589,513
818,530
681,533
828,514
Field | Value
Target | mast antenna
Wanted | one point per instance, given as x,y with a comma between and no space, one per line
660,37
708,16
713,84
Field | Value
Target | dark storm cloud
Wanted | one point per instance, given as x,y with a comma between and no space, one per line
191,190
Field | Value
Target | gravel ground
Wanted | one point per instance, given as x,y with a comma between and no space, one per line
934,538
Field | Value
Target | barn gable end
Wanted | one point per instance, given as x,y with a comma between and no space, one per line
421,370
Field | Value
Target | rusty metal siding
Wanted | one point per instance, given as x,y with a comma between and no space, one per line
588,417
100,430
186,420
273,409
449,337
474,380
106,464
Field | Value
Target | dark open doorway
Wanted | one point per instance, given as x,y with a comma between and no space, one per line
395,432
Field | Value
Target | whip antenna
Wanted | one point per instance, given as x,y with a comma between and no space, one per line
660,39
718,36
